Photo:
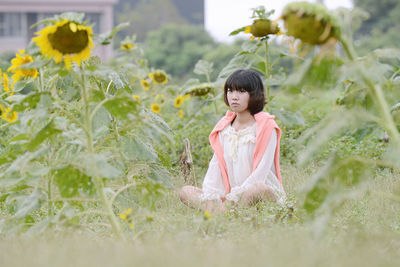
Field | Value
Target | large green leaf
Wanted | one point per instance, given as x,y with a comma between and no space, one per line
138,150
45,133
203,67
334,180
97,165
121,106
71,182
106,38
30,203
30,101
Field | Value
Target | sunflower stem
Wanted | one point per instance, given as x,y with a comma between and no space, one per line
97,179
267,68
49,195
41,78
380,100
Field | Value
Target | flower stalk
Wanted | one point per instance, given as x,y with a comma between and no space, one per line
376,90
97,179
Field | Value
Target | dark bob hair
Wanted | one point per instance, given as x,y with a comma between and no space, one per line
249,80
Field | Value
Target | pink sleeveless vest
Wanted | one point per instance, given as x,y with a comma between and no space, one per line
265,125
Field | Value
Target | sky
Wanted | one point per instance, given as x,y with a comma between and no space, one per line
224,16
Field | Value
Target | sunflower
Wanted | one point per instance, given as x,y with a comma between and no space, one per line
178,101
7,115
156,108
145,84
19,60
127,46
158,77
310,22
65,40
180,113
6,83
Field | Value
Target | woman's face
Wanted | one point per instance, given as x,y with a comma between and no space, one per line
238,99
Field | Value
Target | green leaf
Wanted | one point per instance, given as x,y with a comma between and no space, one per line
72,182
121,106
237,31
97,165
72,16
106,38
238,62
330,186
30,101
203,67
251,46
387,53
261,66
30,203
134,149
43,134
299,74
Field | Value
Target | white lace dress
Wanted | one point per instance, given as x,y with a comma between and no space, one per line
238,149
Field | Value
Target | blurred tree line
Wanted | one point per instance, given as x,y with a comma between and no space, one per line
382,27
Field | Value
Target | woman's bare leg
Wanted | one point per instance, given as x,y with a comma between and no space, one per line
190,196
257,193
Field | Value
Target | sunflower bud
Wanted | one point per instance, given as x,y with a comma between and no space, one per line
201,89
263,27
309,22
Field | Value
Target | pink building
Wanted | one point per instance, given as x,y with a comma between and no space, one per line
16,17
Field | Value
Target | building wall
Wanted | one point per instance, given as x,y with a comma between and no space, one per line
16,17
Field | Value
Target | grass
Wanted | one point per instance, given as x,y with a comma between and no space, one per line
365,231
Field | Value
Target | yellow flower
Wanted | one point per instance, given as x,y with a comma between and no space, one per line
128,211
9,116
145,84
6,83
127,46
136,97
156,108
180,113
65,40
207,215
158,77
19,60
131,225
123,216
186,96
248,29
178,101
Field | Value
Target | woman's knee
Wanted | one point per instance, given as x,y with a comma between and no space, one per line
187,193
183,193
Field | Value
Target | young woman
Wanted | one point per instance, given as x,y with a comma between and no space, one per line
245,166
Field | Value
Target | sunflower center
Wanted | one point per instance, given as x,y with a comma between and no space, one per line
159,77
68,42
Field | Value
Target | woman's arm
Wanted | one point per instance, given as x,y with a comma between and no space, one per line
213,188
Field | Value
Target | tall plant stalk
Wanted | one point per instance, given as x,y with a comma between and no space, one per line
376,90
267,64
97,179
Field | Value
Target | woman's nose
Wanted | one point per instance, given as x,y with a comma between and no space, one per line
235,95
